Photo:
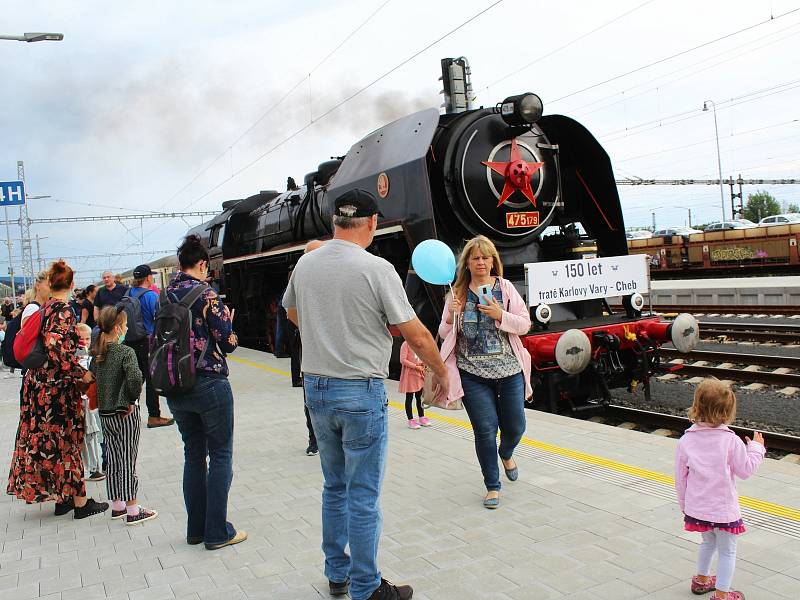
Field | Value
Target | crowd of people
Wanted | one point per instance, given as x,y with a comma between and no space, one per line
80,419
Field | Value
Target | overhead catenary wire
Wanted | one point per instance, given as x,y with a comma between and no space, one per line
578,111
673,56
695,112
568,44
341,103
706,141
275,105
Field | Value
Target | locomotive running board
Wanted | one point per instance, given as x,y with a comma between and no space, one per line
301,247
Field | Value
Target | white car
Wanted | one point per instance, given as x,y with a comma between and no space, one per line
638,234
787,219
671,231
724,225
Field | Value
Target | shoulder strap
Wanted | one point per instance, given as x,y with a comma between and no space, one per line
127,293
144,291
193,296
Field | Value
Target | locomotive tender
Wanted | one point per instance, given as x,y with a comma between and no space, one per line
506,172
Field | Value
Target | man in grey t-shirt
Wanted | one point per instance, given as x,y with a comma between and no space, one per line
342,298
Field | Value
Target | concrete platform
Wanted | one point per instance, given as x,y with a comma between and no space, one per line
593,515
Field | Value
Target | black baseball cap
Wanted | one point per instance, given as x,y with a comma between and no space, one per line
365,204
142,271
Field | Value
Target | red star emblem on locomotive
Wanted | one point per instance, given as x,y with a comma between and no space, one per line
518,174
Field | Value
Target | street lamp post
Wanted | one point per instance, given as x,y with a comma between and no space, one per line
719,159
34,37
690,213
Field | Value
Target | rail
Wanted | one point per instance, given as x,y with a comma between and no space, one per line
762,360
773,441
721,309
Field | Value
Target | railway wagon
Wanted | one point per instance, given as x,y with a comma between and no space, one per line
508,172
775,249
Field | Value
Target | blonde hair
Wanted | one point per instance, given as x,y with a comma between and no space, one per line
108,320
714,403
463,276
83,328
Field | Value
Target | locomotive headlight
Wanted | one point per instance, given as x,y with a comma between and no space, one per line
543,314
637,302
522,109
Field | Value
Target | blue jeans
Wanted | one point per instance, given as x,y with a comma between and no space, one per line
350,419
493,403
205,419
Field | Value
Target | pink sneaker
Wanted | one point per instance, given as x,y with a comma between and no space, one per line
732,595
425,421
412,424
698,587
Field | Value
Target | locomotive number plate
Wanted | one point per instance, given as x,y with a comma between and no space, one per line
522,219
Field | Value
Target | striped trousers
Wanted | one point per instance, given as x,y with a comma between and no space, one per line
121,433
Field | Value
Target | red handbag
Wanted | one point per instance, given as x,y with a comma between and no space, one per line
91,393
29,342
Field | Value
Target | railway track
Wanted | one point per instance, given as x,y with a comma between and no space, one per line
726,369
773,441
722,309
751,332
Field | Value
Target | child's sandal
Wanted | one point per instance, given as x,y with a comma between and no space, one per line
703,587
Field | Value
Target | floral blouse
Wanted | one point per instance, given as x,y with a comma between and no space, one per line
211,323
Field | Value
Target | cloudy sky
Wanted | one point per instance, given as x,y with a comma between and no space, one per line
167,105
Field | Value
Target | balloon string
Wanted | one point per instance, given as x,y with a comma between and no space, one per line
452,297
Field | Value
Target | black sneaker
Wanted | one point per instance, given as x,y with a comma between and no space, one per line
90,508
118,514
388,591
97,476
193,541
63,508
339,589
312,449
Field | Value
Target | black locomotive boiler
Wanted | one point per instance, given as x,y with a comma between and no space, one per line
507,172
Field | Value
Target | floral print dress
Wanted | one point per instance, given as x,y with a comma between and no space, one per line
46,463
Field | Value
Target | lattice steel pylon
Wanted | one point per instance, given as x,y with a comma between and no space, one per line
25,234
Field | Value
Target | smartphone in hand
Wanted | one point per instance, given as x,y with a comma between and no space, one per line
483,291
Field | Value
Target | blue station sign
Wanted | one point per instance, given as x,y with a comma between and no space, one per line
12,193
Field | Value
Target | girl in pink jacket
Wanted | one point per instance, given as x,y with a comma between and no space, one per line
709,455
412,378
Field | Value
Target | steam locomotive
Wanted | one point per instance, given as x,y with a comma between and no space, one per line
506,172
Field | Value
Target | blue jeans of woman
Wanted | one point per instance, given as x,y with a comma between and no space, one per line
350,421
493,404
205,419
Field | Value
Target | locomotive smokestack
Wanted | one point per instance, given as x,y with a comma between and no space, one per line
457,83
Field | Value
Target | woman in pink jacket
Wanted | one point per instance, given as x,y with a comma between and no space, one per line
485,359
709,455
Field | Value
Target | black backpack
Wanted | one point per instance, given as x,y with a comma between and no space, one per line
171,362
133,308
12,329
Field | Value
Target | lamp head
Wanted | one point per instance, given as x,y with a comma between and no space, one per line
522,109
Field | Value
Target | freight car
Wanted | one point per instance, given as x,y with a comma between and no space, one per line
731,253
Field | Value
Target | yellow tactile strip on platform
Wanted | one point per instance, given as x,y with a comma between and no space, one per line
783,519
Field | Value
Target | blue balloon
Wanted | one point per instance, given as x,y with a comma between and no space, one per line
434,262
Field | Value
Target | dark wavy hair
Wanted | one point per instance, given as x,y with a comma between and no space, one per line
191,252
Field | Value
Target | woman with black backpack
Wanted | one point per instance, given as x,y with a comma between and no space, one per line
204,411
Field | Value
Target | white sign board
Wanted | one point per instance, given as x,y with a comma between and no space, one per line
582,279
